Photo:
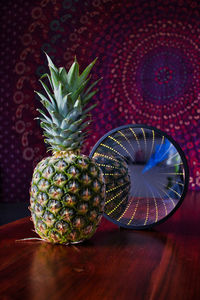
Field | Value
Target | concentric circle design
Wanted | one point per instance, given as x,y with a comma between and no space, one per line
149,57
163,75
123,35
157,173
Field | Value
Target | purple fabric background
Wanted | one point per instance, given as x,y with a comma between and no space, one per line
149,57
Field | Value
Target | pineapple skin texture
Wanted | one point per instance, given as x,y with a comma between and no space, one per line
67,198
117,182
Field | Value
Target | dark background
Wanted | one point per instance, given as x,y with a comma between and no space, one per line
148,54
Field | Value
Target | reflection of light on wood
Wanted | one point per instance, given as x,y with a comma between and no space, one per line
127,140
133,132
116,141
110,212
110,148
164,267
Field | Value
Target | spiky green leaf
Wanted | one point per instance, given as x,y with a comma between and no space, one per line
86,99
63,76
73,74
85,124
55,78
79,90
48,130
49,94
78,105
64,128
92,86
59,97
75,125
50,63
70,134
89,108
72,116
86,72
49,78
46,103
58,117
44,115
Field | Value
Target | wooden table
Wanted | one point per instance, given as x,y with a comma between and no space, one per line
115,264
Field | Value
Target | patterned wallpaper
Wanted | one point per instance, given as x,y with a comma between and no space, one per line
149,57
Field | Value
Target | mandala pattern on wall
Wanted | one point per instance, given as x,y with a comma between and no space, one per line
164,75
148,56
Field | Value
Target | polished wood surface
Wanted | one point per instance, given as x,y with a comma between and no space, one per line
163,263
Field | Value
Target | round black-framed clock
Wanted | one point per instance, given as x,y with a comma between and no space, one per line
145,172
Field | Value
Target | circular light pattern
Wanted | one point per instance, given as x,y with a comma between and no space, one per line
155,175
163,75
122,35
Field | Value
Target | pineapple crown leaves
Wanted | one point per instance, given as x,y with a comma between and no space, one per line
66,105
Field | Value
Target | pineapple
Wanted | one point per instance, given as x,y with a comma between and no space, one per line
117,182
67,191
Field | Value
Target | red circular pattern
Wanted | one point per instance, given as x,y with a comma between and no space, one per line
120,34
